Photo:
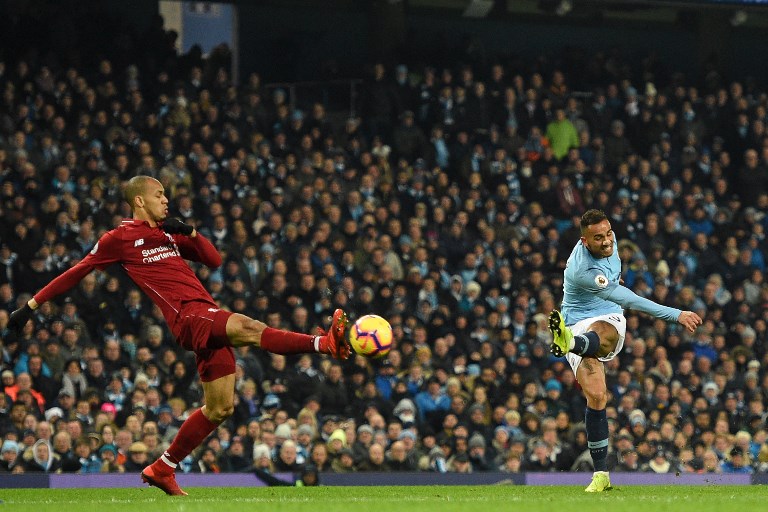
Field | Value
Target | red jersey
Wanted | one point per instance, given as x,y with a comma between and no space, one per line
153,259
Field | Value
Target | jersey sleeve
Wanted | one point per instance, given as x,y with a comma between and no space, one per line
198,249
595,281
104,253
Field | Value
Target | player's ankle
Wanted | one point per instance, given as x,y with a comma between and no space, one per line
160,466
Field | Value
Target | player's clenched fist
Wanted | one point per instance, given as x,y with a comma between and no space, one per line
175,226
19,318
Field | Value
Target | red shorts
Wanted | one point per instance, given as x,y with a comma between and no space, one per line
203,330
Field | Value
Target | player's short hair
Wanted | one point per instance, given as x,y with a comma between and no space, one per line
592,217
135,187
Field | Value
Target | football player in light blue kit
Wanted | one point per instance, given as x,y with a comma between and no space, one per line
592,326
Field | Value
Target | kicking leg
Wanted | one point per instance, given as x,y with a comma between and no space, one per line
242,330
599,340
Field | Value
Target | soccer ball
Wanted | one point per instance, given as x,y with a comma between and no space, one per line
371,336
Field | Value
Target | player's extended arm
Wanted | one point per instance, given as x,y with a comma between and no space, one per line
626,298
19,318
64,282
104,253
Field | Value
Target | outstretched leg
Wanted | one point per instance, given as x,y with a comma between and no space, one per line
242,330
598,341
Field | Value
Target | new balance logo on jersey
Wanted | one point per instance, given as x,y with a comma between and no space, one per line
138,242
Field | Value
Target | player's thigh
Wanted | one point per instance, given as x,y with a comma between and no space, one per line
220,393
244,330
609,336
591,377
203,328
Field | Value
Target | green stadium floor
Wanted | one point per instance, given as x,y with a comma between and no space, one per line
715,498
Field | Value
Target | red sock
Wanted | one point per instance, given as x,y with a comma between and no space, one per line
190,435
286,342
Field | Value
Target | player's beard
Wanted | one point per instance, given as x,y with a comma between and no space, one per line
600,251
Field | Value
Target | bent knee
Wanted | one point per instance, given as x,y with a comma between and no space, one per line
605,330
609,337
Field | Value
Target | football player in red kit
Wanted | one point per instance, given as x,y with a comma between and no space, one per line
152,248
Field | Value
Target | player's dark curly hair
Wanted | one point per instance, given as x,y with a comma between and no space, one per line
592,217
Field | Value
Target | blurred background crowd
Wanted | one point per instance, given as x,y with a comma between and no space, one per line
447,202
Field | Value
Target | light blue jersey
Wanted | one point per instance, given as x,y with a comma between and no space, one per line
591,288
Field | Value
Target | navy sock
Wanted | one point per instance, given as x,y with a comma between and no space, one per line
587,344
597,437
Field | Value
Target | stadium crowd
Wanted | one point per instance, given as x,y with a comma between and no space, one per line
449,205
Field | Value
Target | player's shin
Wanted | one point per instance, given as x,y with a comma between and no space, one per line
287,342
597,437
192,432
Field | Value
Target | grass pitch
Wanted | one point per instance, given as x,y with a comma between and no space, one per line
393,499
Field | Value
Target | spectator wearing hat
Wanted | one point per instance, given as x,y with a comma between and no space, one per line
108,456
138,457
637,423
304,437
362,442
460,463
9,456
166,427
737,462
479,455
344,462
270,405
553,390
405,411
413,449
53,415
283,432
41,459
